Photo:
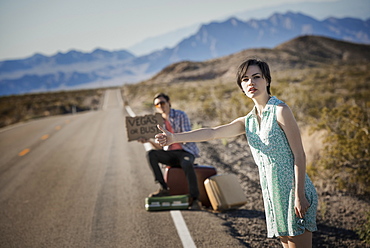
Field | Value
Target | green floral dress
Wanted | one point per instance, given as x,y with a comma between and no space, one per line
275,160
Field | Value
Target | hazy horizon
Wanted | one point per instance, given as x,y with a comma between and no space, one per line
61,26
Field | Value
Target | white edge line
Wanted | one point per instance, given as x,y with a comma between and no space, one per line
12,126
119,97
129,111
105,100
176,215
147,147
182,229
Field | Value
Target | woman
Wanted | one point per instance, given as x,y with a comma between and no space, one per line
289,196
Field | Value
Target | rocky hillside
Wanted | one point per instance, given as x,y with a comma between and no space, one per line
302,52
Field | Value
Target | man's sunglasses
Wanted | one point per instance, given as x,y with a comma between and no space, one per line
159,104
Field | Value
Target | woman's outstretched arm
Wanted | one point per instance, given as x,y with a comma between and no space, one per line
232,129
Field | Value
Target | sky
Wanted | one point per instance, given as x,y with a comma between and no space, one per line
50,26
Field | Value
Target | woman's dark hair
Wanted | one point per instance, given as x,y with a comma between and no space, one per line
161,95
242,70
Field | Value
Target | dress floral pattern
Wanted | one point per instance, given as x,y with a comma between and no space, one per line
275,161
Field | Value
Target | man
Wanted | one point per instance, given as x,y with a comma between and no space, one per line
176,155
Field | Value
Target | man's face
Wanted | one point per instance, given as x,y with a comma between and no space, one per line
161,105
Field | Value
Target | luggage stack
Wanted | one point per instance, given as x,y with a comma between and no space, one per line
178,185
221,192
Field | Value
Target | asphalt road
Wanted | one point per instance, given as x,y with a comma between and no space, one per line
75,181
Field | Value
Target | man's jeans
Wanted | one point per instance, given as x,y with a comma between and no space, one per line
174,158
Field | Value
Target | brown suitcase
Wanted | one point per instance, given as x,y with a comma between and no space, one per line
224,192
176,181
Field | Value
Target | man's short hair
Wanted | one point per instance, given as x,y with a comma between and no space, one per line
162,95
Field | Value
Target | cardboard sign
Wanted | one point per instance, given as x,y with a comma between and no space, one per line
143,126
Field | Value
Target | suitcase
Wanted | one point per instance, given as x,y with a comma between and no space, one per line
225,192
178,184
177,202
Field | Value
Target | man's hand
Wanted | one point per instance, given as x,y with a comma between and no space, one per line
165,138
143,140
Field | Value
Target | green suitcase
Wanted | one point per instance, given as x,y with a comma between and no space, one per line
174,202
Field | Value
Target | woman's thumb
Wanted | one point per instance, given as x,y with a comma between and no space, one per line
161,128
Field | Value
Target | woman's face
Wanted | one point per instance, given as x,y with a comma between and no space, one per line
253,82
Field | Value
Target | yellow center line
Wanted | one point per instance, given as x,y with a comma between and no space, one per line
24,152
44,137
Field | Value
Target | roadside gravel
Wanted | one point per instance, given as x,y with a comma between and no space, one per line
338,217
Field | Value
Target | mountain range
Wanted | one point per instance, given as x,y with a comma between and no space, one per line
301,52
319,10
74,69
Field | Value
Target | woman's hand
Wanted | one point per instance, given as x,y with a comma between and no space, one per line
165,138
301,206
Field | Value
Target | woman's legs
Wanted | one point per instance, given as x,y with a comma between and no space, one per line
301,241
284,241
